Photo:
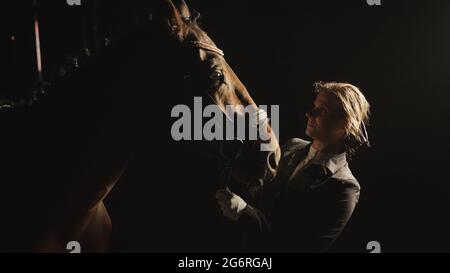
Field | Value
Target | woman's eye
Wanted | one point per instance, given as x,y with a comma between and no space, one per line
216,75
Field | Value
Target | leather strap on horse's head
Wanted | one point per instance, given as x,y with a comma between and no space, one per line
206,46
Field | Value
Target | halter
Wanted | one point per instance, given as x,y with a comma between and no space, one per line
195,15
206,46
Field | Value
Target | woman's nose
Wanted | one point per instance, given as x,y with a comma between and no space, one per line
308,114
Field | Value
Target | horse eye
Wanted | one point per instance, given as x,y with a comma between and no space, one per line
216,75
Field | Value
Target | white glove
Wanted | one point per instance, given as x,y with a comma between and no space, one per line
231,204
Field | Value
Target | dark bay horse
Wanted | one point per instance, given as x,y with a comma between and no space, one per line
111,122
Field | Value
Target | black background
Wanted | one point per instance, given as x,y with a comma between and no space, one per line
397,53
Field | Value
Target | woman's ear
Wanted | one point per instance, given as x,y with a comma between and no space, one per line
343,125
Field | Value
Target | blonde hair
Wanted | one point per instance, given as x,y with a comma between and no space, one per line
356,110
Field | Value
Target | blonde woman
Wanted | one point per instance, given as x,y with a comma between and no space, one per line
314,193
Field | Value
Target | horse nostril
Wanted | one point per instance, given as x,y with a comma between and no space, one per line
231,150
272,161
260,182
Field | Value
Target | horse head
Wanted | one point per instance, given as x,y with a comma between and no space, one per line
207,74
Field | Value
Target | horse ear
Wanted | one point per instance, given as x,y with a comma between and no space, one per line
183,8
165,12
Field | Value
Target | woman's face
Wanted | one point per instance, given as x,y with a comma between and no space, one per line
326,121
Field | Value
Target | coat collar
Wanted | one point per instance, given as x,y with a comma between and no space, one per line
332,162
319,170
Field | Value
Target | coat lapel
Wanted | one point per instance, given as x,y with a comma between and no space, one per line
293,162
315,175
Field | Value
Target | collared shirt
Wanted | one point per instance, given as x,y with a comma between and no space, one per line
332,162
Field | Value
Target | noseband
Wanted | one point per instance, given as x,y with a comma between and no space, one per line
206,46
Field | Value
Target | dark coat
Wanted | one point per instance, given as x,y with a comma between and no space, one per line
308,213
